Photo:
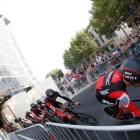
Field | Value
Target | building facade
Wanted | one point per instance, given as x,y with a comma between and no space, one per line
15,77
102,43
133,18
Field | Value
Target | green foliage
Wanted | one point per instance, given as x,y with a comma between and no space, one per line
82,45
56,72
108,15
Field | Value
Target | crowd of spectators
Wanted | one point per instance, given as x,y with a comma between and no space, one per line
102,62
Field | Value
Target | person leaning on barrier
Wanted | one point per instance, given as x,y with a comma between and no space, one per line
50,101
111,88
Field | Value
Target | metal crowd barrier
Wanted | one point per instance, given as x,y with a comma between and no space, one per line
55,131
78,132
35,132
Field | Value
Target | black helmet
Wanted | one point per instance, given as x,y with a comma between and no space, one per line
15,120
130,70
33,105
50,93
38,102
19,118
27,112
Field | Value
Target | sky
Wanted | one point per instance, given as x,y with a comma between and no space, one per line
43,29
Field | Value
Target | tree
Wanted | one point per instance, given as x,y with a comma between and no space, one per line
56,72
108,15
82,45
68,59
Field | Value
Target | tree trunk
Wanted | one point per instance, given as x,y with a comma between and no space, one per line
124,31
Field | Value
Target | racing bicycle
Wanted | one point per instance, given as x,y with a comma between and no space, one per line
78,116
119,115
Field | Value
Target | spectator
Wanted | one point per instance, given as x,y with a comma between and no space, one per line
69,87
114,52
99,59
73,83
133,47
121,47
95,63
79,75
118,49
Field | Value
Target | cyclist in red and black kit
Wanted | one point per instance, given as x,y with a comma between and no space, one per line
29,117
50,101
38,112
111,88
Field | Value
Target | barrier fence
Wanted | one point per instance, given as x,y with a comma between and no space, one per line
55,131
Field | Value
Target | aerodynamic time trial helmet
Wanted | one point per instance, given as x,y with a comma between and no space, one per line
130,70
50,93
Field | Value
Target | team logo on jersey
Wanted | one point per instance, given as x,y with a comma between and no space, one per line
107,102
52,108
108,78
104,92
125,100
128,73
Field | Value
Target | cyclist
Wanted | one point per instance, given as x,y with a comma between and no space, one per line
12,127
41,105
21,122
50,101
111,89
29,117
44,107
38,112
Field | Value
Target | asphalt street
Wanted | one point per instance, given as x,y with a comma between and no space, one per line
90,105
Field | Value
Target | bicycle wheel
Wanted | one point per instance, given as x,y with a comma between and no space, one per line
85,118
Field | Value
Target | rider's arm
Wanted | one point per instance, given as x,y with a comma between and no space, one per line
55,110
65,98
30,118
36,115
124,98
42,110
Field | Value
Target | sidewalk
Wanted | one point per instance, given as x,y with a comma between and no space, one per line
73,95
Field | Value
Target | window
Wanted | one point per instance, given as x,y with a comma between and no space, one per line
97,42
95,31
101,39
92,34
88,60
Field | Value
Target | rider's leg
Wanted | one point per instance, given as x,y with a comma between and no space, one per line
60,105
125,110
63,106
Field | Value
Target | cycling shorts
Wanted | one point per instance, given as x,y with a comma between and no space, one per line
107,100
57,104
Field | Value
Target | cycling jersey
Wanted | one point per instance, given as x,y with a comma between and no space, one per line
20,121
30,118
43,107
37,113
52,104
11,127
111,88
